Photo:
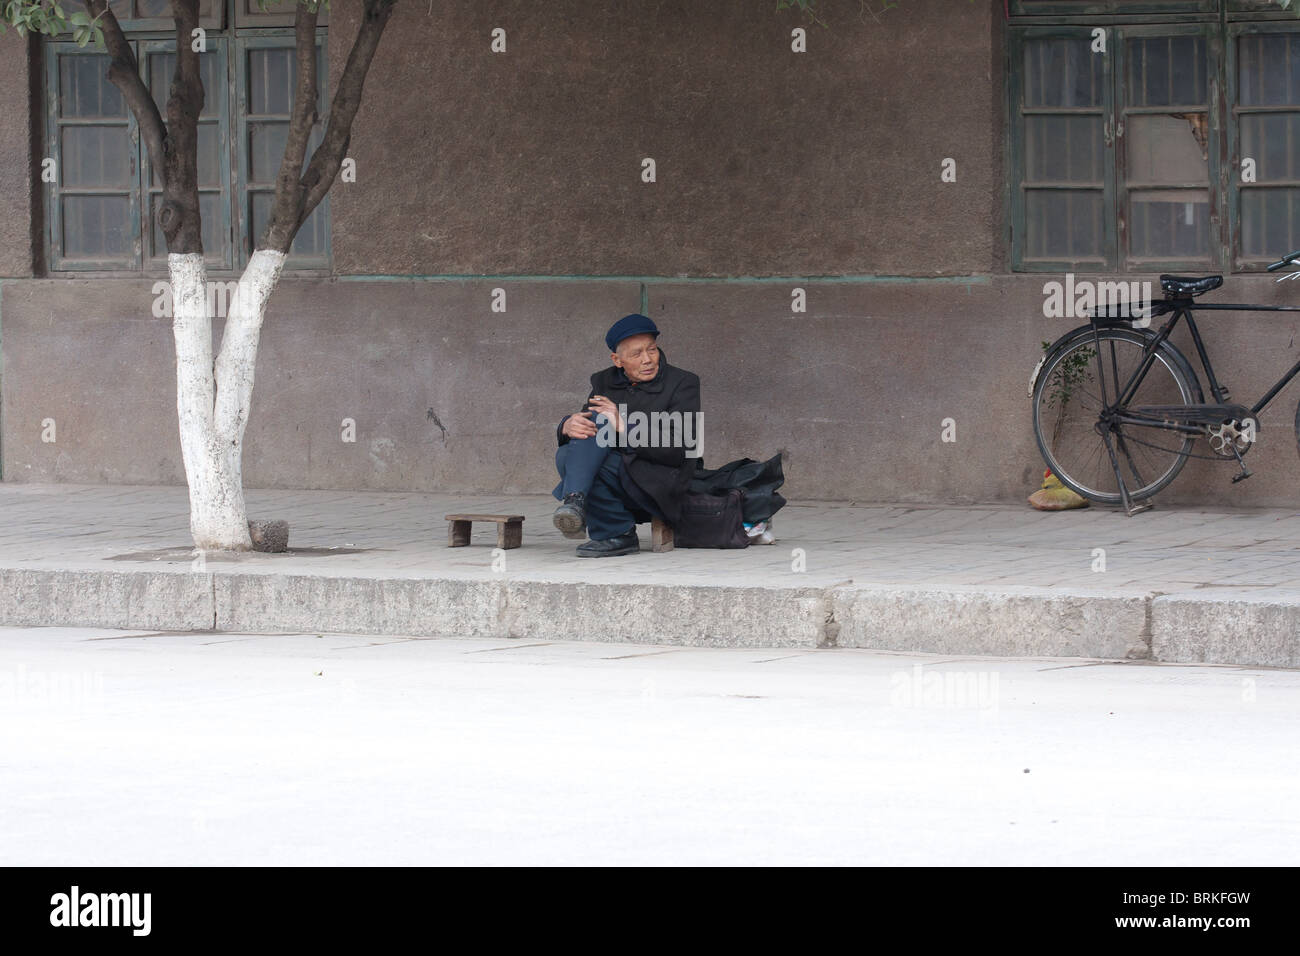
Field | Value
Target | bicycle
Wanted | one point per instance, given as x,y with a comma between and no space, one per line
1112,397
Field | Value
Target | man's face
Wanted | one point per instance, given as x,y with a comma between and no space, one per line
638,357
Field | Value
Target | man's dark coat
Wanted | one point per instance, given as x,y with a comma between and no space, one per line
661,474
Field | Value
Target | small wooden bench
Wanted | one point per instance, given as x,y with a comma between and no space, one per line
510,530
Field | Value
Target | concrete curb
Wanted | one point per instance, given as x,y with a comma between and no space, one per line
1221,626
1224,626
698,616
1021,622
154,600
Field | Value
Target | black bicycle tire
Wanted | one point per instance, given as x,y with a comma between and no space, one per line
1178,365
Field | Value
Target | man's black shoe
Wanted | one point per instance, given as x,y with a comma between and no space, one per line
571,516
623,544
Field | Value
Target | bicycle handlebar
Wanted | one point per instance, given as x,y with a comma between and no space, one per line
1284,261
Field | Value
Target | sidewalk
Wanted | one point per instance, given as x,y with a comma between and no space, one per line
1177,585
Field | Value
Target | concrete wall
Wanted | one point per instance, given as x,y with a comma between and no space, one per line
17,170
768,162
448,395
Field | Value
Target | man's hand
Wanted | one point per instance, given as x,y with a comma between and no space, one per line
603,406
579,426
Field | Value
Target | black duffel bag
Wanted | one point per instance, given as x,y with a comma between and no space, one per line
712,521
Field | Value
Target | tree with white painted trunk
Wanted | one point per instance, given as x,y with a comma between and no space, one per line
213,396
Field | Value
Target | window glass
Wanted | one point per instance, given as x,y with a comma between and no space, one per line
1063,150
95,172
1268,90
1166,149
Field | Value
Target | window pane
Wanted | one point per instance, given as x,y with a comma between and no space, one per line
1272,140
271,76
1169,224
84,90
312,237
211,154
95,156
1063,149
1168,148
1268,72
270,81
1167,71
265,150
1269,219
1062,72
96,227
153,8
1064,224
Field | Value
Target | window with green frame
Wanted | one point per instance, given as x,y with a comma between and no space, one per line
100,212
1155,142
1265,87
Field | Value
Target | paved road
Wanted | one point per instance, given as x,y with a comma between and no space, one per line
129,748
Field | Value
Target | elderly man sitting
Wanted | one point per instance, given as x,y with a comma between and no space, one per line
614,472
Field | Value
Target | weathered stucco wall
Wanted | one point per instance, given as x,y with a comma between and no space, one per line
16,172
769,162
448,395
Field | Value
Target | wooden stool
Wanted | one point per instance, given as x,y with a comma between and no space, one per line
661,536
510,530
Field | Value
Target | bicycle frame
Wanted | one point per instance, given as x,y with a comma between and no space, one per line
1188,419
1182,308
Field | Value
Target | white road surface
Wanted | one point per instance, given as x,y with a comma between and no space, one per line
122,748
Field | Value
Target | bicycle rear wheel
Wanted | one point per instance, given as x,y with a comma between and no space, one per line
1068,403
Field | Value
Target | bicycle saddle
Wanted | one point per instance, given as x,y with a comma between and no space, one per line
1184,287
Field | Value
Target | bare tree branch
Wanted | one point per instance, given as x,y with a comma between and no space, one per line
327,159
286,214
124,73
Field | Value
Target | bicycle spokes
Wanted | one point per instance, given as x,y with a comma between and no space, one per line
1094,448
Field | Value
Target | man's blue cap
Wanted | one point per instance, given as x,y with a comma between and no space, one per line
635,324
